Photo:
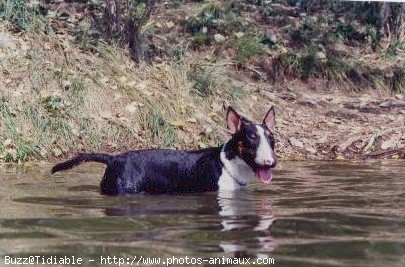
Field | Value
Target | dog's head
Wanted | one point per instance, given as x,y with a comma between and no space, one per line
253,143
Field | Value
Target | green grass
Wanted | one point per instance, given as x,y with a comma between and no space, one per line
160,130
204,83
247,48
394,48
21,14
20,149
199,38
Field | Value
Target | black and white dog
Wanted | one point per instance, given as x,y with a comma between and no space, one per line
249,153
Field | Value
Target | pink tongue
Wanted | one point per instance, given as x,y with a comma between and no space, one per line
265,175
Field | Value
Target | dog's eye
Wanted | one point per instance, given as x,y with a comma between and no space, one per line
253,136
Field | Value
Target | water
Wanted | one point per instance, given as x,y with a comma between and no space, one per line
313,214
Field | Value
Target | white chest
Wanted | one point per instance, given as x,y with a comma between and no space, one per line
227,183
236,174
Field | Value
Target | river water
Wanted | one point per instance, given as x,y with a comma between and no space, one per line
312,214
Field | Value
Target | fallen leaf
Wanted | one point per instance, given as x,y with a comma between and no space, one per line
177,123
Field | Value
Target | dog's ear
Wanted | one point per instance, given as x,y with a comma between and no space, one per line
270,119
233,120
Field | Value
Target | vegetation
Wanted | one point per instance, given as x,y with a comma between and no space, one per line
115,75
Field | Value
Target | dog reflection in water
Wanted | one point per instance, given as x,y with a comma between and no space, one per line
239,213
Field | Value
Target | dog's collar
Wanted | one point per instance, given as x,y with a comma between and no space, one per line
228,172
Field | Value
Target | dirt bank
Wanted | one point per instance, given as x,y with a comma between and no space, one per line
58,98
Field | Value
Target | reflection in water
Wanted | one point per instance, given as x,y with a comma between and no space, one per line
233,208
236,213
320,214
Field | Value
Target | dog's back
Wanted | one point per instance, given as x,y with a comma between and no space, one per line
155,170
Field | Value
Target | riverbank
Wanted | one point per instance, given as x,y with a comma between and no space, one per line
58,98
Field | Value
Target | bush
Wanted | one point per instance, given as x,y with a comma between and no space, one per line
247,47
122,21
21,13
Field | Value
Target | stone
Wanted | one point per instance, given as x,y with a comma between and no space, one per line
393,103
310,150
295,142
273,38
239,35
170,24
7,142
388,144
219,38
57,152
320,55
399,96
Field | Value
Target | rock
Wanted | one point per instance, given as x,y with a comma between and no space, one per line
66,84
295,142
239,34
399,96
336,120
310,150
320,55
388,144
204,30
219,38
273,38
7,142
44,93
170,24
202,145
384,104
57,152
393,103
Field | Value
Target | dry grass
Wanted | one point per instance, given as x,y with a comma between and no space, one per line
67,100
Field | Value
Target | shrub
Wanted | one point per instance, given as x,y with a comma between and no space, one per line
21,13
122,21
247,47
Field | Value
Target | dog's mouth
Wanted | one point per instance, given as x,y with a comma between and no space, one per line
264,173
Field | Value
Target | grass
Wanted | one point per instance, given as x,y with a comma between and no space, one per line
160,130
21,14
18,148
210,80
247,47
75,99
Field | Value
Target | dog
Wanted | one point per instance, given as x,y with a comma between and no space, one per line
247,154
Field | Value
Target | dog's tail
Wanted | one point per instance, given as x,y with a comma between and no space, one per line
81,158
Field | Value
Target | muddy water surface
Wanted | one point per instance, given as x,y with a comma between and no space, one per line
313,214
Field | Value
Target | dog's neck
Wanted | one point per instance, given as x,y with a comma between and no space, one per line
236,173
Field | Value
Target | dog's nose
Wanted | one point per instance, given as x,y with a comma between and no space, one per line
270,163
